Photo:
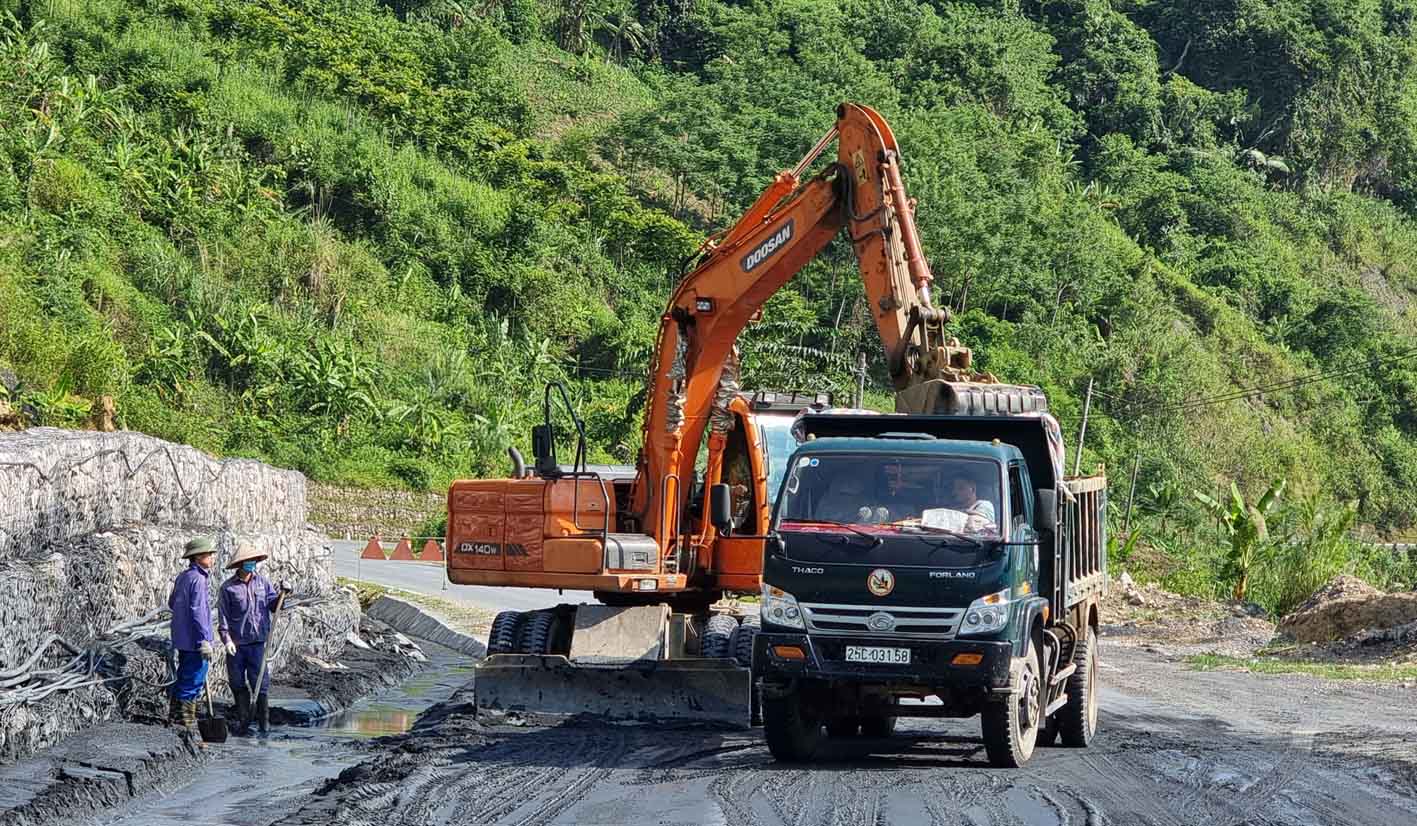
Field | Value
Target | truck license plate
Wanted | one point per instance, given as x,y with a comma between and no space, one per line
868,654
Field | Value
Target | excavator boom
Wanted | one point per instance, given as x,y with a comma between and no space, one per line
788,226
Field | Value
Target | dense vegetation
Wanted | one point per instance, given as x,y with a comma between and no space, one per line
356,237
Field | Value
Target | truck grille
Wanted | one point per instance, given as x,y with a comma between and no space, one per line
934,623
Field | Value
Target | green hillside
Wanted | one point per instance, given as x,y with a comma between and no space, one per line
356,238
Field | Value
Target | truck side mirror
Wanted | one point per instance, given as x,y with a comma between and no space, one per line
721,508
1045,510
544,451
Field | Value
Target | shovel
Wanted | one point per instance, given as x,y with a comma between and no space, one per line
213,728
266,652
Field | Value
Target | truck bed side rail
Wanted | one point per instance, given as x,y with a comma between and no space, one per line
1084,541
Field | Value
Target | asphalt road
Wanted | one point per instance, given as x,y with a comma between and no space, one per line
426,578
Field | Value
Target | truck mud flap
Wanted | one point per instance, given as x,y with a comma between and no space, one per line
549,689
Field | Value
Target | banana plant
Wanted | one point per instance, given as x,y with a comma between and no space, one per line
1162,499
1245,525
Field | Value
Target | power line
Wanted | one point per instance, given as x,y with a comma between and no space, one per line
1247,392
1289,384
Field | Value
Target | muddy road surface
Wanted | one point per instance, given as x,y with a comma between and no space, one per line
255,781
1176,747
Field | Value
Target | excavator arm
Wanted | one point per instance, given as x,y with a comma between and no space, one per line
741,268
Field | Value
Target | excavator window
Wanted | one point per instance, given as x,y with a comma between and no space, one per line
738,474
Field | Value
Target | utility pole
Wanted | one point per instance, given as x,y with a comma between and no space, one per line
860,397
1131,494
1082,431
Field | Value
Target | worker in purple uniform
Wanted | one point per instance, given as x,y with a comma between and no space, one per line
244,607
191,633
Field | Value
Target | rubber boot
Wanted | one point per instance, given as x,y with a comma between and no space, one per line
263,713
189,716
242,725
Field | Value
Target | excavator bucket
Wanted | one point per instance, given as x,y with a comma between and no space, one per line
550,688
625,664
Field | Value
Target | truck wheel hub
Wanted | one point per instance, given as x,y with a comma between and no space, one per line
1028,702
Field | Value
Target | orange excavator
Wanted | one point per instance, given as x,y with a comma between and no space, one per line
660,544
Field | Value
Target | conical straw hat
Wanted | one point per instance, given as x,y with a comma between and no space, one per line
246,553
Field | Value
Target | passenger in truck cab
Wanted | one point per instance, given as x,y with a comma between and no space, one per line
844,499
964,493
911,486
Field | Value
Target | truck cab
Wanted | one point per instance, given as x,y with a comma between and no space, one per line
929,558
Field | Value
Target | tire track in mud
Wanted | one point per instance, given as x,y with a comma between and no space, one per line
1160,799
1151,766
533,779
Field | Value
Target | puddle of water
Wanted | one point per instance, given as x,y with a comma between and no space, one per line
250,781
395,711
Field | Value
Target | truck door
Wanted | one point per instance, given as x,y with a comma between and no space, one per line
1021,514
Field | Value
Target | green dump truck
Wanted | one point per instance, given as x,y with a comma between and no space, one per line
931,566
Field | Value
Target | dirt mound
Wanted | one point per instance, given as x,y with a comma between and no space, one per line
1345,607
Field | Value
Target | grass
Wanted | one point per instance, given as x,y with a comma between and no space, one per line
459,616
1381,672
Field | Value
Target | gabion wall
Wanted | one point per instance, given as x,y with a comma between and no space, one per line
91,533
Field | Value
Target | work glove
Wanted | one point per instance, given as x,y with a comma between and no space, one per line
205,649
230,648
285,588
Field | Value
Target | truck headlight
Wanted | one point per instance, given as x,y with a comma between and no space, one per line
987,614
780,607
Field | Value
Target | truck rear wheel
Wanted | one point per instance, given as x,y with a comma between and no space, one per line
794,735
1077,719
502,639
1011,728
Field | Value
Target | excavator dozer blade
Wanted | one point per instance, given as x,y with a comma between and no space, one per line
551,688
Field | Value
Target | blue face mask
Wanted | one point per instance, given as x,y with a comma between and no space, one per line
248,567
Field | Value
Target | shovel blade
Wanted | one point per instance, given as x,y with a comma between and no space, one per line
212,729
551,688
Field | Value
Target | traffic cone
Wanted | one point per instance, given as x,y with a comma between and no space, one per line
403,552
373,550
432,551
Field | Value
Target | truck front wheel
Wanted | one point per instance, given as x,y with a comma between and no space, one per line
1011,728
1077,719
793,733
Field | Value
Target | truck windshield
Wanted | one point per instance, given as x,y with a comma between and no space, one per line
946,496
775,432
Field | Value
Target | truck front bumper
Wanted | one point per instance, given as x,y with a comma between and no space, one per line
932,663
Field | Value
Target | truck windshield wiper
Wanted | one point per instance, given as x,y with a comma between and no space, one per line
875,540
943,532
